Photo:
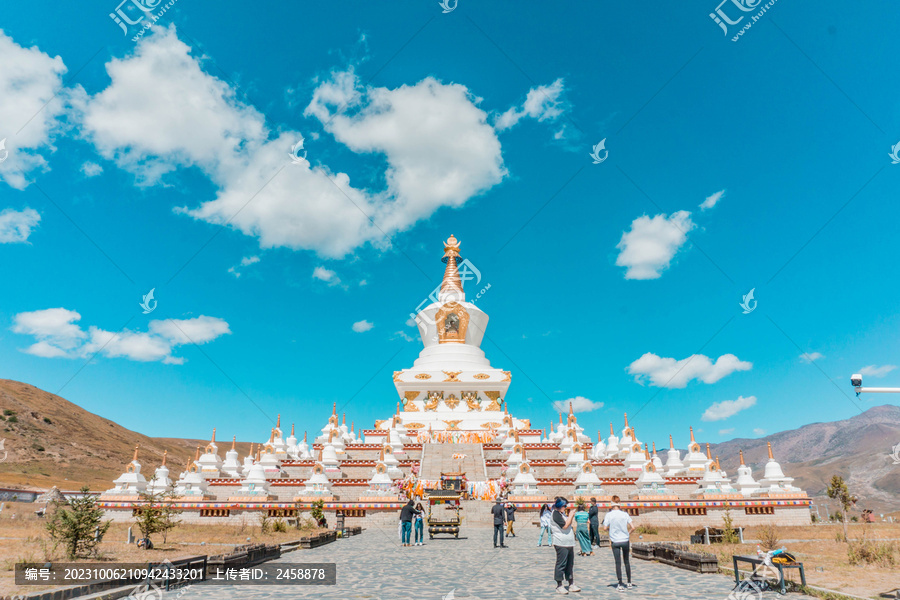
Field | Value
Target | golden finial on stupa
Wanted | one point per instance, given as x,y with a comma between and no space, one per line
611,431
213,440
741,452
233,442
771,456
134,458
165,454
708,454
692,435
451,286
671,443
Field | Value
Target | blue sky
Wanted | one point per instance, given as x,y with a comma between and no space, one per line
165,163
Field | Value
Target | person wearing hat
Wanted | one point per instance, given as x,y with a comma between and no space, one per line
499,513
619,525
563,535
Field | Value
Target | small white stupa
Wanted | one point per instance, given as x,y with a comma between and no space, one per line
654,458
695,462
332,425
191,483
330,461
270,459
303,450
130,484
636,459
745,483
380,484
210,462
508,443
612,443
587,483
577,457
674,466
248,462
514,460
714,487
775,483
598,452
160,484
628,439
651,485
317,487
391,461
232,465
524,485
254,487
279,446
292,445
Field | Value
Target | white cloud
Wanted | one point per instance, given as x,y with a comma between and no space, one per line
809,357
59,336
361,326
245,262
543,102
648,249
759,431
671,373
438,149
326,275
726,431
580,404
16,226
403,335
876,371
711,201
29,108
719,411
91,169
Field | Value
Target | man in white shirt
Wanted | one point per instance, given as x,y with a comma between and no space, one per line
619,525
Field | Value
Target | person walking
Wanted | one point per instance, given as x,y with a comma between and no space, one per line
499,513
406,516
619,525
594,522
582,533
563,537
510,519
419,524
545,526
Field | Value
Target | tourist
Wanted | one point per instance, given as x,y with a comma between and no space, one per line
619,525
419,518
594,521
499,521
406,517
510,519
563,537
545,526
582,533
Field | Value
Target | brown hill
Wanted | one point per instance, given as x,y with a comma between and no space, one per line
858,449
51,441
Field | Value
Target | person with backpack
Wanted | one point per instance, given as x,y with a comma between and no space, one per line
563,534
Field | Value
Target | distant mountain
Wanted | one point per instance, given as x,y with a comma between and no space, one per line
51,441
858,449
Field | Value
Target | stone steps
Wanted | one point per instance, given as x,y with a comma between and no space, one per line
438,458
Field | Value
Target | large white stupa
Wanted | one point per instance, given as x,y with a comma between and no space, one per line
452,385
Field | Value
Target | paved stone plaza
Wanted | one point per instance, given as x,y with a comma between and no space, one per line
374,566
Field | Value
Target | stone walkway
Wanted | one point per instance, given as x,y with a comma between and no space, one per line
374,566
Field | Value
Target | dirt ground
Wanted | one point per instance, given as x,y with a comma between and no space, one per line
824,558
23,539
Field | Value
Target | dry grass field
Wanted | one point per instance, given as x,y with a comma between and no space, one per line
824,558
22,538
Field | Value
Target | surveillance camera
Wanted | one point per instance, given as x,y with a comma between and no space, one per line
856,380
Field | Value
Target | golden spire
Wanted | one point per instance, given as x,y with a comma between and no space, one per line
292,429
278,424
334,409
304,436
771,456
742,458
671,443
516,435
272,436
197,457
165,454
646,452
213,440
654,448
351,426
692,435
257,455
626,420
330,436
397,413
250,454
708,454
584,449
344,422
611,432
134,459
560,418
320,455
451,286
570,409
523,452
381,454
233,442
718,466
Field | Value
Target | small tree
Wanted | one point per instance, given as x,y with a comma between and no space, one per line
168,515
729,533
317,511
147,516
838,490
78,526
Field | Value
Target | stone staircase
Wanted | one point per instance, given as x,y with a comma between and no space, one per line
438,458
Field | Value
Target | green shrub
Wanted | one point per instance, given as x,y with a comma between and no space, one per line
279,525
13,419
48,421
7,412
646,530
872,552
